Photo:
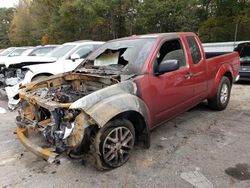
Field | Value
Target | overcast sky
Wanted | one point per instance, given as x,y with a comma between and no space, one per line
8,3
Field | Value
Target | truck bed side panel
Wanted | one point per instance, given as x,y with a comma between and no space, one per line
219,66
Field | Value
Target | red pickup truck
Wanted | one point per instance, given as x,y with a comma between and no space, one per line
119,93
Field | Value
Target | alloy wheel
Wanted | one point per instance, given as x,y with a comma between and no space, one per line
224,93
117,146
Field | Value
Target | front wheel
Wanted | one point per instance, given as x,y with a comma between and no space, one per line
113,144
221,99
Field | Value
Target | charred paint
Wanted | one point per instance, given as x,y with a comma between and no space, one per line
77,100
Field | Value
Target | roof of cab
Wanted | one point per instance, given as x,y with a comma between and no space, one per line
154,35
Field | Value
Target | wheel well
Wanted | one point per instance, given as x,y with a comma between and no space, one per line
141,130
41,74
140,126
229,76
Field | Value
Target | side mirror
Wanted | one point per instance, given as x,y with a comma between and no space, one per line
74,57
168,66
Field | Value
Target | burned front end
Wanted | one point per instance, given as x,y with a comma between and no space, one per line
69,111
46,111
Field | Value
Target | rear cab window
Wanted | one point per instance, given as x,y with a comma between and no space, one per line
194,49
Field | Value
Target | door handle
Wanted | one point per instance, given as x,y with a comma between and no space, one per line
188,75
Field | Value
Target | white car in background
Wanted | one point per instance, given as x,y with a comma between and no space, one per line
41,50
19,56
3,54
7,51
30,55
64,58
11,52
6,54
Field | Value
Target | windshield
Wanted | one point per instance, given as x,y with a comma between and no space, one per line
127,55
17,52
41,51
26,52
60,51
6,51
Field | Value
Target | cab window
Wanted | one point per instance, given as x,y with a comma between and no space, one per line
171,50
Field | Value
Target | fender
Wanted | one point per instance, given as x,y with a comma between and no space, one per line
30,75
42,74
113,106
106,103
105,110
37,70
226,67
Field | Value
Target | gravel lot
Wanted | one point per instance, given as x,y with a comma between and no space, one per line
215,144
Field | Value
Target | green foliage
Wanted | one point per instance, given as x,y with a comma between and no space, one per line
20,28
58,21
6,15
218,29
228,21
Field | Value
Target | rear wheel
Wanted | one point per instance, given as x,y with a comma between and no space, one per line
113,144
221,99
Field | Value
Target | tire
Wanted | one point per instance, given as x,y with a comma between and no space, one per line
221,99
112,144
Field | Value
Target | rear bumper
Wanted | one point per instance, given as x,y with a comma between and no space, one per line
45,153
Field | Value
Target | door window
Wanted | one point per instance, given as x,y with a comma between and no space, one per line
171,50
194,49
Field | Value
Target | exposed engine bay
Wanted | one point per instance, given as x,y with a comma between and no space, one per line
69,92
47,107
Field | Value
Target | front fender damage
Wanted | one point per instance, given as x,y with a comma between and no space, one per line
66,125
73,141
105,104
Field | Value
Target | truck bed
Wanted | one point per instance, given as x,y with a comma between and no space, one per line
217,62
214,54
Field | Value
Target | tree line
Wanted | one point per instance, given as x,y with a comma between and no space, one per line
34,22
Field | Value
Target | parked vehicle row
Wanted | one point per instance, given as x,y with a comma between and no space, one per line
10,55
26,68
12,52
119,93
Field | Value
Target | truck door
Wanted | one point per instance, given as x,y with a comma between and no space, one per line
171,92
199,68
